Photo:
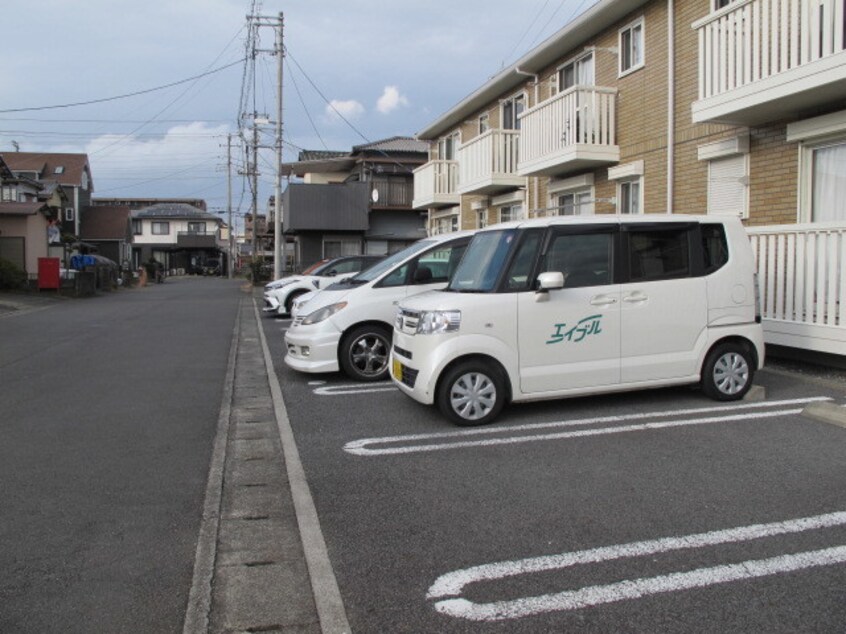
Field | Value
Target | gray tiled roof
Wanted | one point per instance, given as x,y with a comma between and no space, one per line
173,210
394,144
319,155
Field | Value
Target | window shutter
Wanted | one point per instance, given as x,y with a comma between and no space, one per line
727,182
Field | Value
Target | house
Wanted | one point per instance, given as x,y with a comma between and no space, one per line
71,171
109,230
352,202
671,106
182,237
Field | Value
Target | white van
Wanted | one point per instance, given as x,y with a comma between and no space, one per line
348,325
570,306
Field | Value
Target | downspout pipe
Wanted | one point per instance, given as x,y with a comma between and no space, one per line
671,105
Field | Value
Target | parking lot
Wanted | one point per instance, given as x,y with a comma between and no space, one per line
647,511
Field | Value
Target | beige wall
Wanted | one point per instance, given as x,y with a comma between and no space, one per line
34,231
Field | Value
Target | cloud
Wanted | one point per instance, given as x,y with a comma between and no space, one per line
349,109
390,100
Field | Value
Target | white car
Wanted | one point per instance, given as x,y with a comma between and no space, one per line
280,294
560,307
348,325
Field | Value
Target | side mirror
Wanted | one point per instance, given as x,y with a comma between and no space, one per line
550,281
331,273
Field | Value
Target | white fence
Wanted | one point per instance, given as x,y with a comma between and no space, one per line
434,180
750,40
488,158
802,284
579,115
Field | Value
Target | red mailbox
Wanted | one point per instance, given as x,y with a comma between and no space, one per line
48,273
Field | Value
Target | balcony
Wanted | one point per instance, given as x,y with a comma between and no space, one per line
762,59
488,163
436,185
574,130
392,194
196,239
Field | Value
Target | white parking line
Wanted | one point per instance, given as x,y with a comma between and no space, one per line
363,447
453,583
354,388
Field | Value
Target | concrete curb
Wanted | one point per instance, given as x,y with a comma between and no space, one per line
826,412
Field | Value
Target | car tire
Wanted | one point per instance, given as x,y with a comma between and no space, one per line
728,372
289,301
471,393
365,352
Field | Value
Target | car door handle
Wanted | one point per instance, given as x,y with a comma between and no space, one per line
603,300
636,297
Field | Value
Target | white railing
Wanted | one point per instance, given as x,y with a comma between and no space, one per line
435,178
751,40
489,156
579,115
802,284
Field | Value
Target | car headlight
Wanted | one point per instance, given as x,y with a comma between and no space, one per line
273,286
434,322
323,313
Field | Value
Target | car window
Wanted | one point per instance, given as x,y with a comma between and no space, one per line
435,266
396,277
346,266
517,278
658,254
584,259
714,247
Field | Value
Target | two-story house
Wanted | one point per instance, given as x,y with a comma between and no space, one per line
71,171
182,237
671,106
352,202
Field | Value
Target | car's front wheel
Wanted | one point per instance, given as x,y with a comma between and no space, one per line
365,352
471,393
728,372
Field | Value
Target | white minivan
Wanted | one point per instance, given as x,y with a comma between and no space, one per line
347,326
570,306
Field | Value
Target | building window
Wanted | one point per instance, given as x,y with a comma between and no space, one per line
576,203
825,169
484,123
338,247
137,227
59,169
720,4
446,147
449,224
8,194
196,227
68,214
161,228
511,110
510,212
728,179
629,196
579,72
482,219
631,47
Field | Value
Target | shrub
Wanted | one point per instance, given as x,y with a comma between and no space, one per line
11,277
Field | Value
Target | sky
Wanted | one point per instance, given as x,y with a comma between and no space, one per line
389,67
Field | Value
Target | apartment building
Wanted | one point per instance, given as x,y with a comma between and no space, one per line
671,106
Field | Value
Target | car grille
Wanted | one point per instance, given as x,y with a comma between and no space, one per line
297,321
409,376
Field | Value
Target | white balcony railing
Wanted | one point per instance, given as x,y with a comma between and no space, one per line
802,284
576,127
436,183
751,40
489,161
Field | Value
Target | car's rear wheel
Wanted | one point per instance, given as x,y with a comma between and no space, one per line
471,393
728,372
365,352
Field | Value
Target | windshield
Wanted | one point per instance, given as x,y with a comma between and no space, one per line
483,261
387,264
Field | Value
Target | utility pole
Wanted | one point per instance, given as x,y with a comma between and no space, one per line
277,215
230,259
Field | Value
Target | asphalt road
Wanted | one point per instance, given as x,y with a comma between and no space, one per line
656,511
108,409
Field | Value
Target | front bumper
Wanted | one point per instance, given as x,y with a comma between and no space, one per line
271,304
412,372
313,348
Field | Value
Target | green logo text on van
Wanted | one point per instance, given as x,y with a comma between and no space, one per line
586,327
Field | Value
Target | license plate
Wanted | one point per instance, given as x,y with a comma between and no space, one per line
397,370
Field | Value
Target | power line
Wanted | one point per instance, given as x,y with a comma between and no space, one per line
131,94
